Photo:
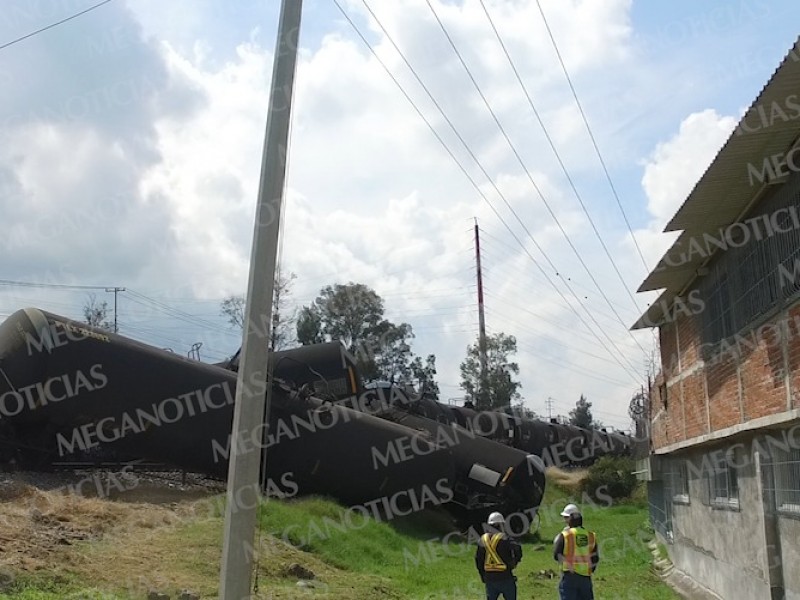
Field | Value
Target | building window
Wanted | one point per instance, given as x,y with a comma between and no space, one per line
724,487
747,281
681,488
786,473
676,478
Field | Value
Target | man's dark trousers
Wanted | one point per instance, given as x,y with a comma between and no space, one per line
575,587
507,587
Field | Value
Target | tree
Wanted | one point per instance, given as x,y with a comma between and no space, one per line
282,331
423,375
353,313
282,325
233,308
498,389
96,313
350,313
581,415
393,357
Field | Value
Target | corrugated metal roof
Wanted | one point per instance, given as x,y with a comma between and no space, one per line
729,187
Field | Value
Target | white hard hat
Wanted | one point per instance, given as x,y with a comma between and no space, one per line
495,519
569,510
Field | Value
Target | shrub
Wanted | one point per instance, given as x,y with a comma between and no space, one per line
611,476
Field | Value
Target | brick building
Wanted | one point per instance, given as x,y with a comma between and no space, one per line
724,413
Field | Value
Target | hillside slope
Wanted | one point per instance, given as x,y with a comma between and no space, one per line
56,546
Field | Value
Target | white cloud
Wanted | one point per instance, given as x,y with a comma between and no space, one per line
671,172
676,165
373,197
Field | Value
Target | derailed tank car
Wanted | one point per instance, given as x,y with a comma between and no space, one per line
70,392
489,475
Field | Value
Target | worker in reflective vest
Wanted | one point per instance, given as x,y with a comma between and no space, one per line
576,549
496,558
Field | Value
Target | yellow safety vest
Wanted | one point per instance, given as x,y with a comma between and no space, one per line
579,545
492,563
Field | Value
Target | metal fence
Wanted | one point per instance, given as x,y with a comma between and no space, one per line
660,504
781,480
746,282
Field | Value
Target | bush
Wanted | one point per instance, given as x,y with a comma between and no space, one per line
610,476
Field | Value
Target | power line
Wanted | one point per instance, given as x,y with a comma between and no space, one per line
33,33
562,326
514,254
591,135
530,349
30,284
483,170
177,313
543,336
499,267
558,157
533,182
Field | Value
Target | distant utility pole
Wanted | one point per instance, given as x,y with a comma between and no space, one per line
116,291
481,318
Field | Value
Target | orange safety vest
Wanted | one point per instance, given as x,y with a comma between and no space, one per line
579,546
492,563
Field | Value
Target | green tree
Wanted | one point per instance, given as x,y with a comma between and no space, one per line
392,357
423,376
581,415
96,313
353,313
498,389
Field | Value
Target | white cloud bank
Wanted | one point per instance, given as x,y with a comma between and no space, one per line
168,177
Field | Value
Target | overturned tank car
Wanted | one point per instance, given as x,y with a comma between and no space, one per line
71,393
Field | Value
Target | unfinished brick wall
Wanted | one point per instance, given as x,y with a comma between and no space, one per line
694,401
658,415
723,392
689,340
729,388
762,373
669,350
792,334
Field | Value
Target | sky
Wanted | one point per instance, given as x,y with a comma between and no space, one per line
131,141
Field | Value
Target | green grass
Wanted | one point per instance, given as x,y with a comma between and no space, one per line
404,558
447,570
44,587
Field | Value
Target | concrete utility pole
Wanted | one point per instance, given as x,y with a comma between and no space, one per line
481,318
251,407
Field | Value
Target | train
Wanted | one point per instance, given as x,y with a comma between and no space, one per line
335,373
72,393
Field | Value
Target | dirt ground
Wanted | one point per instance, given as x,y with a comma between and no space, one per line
143,533
42,515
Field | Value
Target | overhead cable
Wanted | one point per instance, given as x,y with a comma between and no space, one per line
561,162
591,135
51,285
57,23
533,181
488,177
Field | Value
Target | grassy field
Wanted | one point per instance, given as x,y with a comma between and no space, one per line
400,559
